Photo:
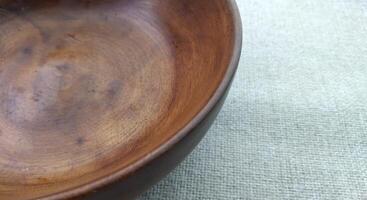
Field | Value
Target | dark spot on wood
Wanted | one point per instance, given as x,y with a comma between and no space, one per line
27,50
37,96
113,88
86,86
35,99
10,105
59,121
60,46
42,180
63,67
9,113
80,141
133,108
45,35
91,91
72,36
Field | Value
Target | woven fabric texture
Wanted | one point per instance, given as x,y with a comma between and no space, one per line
294,125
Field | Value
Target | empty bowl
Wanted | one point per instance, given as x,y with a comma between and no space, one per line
99,99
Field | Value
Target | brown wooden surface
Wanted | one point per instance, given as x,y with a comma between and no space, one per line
89,87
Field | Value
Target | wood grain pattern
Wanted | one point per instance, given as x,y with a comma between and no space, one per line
88,87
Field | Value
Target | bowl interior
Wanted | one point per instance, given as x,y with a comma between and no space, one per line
88,87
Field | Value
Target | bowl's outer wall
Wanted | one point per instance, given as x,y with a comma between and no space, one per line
142,179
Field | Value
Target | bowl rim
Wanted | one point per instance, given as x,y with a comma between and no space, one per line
200,116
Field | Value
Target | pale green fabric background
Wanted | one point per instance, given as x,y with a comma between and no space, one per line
295,122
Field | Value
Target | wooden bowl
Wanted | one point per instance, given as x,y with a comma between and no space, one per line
99,99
